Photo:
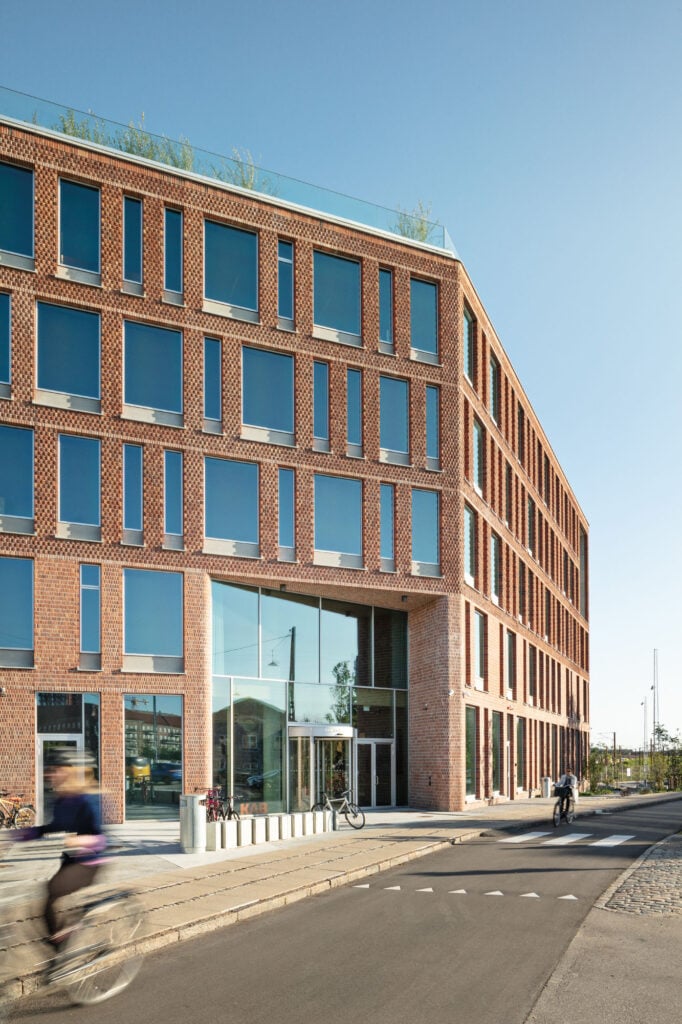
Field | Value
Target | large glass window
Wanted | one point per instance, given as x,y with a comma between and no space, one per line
16,479
495,389
79,226
354,411
91,602
285,513
16,210
479,648
231,267
80,460
132,488
231,502
234,629
468,345
511,664
470,542
471,751
425,532
336,296
433,427
153,755
386,308
290,637
390,649
132,240
172,494
520,751
345,631
285,283
213,400
268,392
16,611
260,722
153,367
394,431
172,250
5,340
153,613
387,528
495,567
497,750
321,405
69,351
338,515
478,456
424,317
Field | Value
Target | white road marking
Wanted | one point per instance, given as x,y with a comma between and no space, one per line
457,892
571,837
361,886
424,890
567,897
530,895
526,837
614,840
495,893
392,888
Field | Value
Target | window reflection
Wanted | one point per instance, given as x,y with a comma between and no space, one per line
345,647
235,629
373,713
319,705
259,745
290,637
153,754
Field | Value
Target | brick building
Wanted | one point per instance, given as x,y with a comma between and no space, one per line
275,511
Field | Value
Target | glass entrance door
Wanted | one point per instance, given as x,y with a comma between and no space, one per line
45,794
300,797
376,773
332,766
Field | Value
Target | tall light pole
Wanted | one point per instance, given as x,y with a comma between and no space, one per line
645,738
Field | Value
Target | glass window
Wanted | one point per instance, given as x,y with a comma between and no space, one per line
424,316
321,401
268,390
285,280
231,265
479,456
386,307
79,480
521,434
336,293
471,751
532,670
319,704
425,527
16,473
354,408
79,227
260,721
68,350
497,749
132,239
433,426
132,487
469,545
153,754
387,527
285,508
338,514
531,526
495,566
5,336
520,751
372,715
16,604
153,367
172,250
479,646
153,613
234,629
172,498
508,493
394,397
290,631
345,630
390,648
90,638
213,379
468,345
495,389
16,210
231,500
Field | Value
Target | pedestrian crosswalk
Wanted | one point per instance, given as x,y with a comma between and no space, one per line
568,838
429,890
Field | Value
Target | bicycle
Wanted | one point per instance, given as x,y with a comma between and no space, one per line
219,807
343,804
564,808
14,813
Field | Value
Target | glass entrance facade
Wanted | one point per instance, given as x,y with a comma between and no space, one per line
282,659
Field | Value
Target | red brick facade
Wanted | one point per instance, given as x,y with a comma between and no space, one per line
441,610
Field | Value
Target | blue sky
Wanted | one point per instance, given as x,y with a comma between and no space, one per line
545,136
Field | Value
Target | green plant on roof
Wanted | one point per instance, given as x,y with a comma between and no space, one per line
241,170
415,224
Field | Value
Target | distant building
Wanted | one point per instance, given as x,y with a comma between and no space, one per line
272,498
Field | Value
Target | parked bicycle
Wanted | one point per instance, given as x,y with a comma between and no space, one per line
343,804
14,813
564,808
219,807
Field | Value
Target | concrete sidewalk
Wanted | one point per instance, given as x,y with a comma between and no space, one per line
189,894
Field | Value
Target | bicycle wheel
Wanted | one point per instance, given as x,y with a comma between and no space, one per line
319,806
354,815
556,816
24,816
96,963
570,810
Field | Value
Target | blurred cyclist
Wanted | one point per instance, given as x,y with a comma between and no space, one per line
566,786
76,812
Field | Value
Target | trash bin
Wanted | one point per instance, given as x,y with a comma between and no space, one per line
546,786
192,823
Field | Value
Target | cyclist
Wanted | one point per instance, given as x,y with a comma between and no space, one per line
76,812
566,786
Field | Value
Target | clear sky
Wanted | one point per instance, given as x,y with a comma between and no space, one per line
546,136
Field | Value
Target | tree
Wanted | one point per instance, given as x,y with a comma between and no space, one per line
416,223
241,170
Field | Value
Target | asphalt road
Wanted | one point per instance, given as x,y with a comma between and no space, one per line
471,933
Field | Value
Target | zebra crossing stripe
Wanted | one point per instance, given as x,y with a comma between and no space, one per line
614,840
526,837
571,837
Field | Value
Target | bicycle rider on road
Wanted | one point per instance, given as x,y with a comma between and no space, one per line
76,812
565,787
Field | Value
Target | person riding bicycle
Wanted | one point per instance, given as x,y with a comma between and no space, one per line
565,788
76,812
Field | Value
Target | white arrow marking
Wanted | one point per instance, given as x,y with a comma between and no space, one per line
361,886
424,890
567,897
496,893
392,888
530,895
457,892
526,837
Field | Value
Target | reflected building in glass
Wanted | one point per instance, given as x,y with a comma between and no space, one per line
276,514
